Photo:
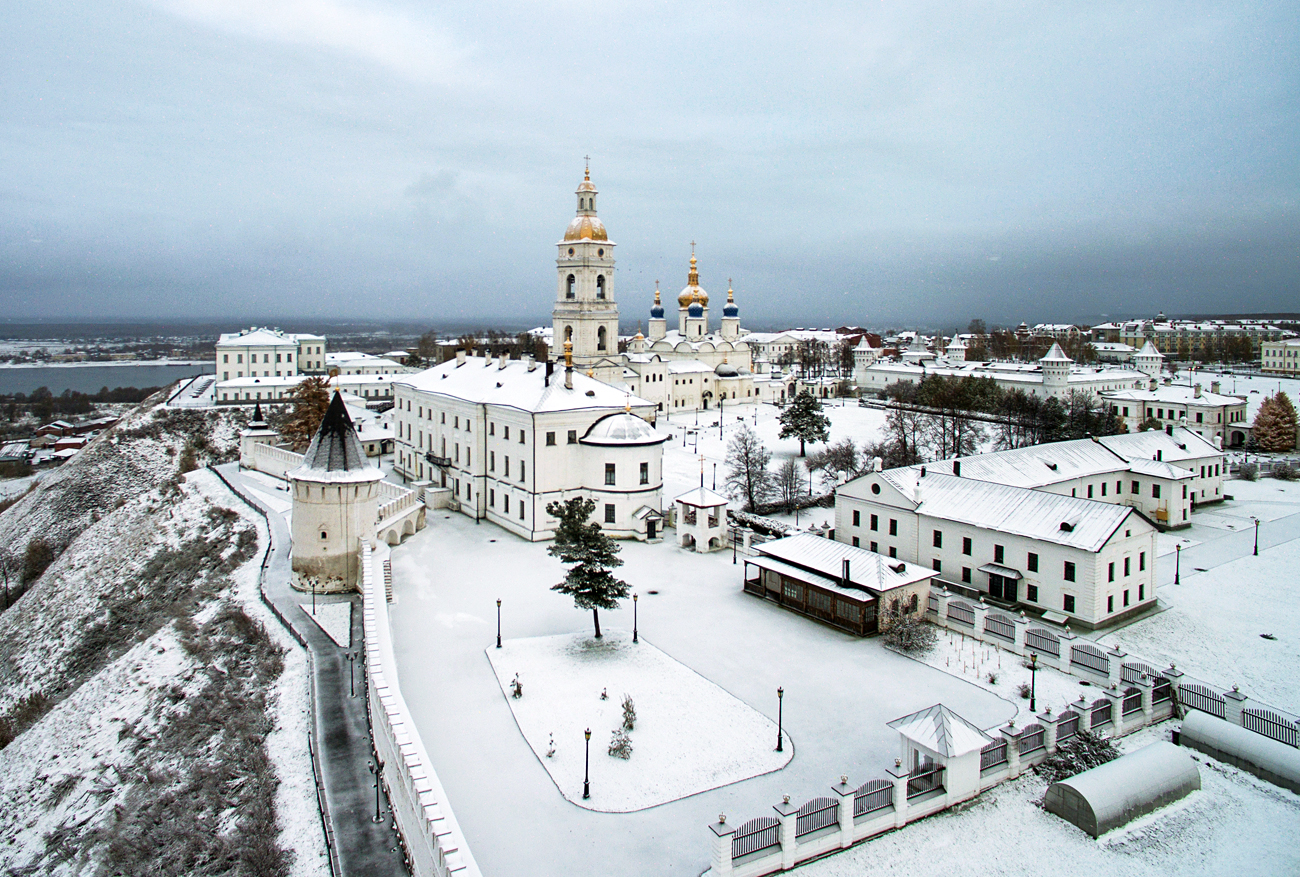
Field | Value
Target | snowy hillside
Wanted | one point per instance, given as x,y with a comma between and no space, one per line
141,683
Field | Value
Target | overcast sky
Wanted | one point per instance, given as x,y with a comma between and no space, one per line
871,162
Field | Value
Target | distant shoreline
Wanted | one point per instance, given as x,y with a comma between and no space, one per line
117,363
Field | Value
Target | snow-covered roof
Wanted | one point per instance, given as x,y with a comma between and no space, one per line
519,384
1149,349
264,337
810,578
1178,394
1159,469
702,497
1034,514
1055,354
942,731
335,452
1178,444
826,557
623,428
1006,372
688,366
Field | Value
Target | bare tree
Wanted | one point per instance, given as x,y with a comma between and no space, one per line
787,482
748,477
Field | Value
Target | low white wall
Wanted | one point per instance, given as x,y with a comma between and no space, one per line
433,838
274,461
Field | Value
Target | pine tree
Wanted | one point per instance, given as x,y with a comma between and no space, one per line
747,473
593,554
1275,424
804,420
311,399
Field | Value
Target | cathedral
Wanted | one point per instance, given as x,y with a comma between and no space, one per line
687,368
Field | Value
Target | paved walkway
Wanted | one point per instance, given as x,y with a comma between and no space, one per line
359,845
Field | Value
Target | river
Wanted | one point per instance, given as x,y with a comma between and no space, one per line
92,378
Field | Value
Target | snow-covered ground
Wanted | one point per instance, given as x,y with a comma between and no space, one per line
563,678
333,618
839,693
1235,825
1212,621
14,486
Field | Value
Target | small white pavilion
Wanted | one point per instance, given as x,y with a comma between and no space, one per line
939,743
701,520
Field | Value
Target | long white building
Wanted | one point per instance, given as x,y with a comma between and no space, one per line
269,353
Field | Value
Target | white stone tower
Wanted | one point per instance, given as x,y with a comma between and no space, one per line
956,349
335,505
658,325
693,305
730,316
1149,360
256,433
585,310
1056,372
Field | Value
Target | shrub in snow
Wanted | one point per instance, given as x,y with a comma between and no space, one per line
620,745
629,713
1248,471
1284,472
550,746
993,679
516,688
908,632
1023,690
1081,752
38,557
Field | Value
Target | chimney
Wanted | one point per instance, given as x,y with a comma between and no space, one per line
1152,384
922,471
1214,387
503,359
1169,430
568,365
846,573
529,361
956,468
1160,455
550,369
1196,391
460,358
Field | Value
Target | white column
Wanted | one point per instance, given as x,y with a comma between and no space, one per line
845,794
720,861
788,814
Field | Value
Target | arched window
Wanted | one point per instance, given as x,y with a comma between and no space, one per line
600,338
600,286
569,286
568,333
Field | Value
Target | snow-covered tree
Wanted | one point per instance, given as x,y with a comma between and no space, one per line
593,554
311,399
803,419
748,477
1275,424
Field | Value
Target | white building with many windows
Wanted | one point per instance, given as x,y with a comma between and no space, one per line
1280,357
1085,562
507,437
1216,417
266,353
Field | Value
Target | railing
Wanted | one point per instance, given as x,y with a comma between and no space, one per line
924,782
408,499
755,836
1033,739
1132,702
1101,712
1045,641
961,612
1067,726
1091,658
1203,698
993,755
871,796
1000,626
816,815
1270,724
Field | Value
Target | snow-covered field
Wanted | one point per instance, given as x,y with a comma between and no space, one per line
689,734
1235,825
333,618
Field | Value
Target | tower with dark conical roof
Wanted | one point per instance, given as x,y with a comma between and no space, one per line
335,505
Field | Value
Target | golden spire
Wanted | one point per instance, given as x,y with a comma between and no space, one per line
657,293
627,404
693,278
731,296
586,169
568,354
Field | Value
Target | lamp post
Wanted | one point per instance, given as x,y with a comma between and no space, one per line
1033,682
634,634
715,476
313,598
352,684
1178,558
1257,537
780,704
375,769
498,622
586,771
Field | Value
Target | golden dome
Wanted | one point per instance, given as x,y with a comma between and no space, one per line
586,228
586,185
692,293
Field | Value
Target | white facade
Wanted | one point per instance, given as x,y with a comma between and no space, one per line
509,436
701,520
1280,357
248,391
585,311
354,363
1090,563
1212,415
268,353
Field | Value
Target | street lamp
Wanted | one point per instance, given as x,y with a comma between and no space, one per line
634,635
498,622
376,770
780,704
352,684
1257,537
1178,557
586,771
715,476
1033,682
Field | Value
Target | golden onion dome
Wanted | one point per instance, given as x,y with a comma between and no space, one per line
586,228
693,293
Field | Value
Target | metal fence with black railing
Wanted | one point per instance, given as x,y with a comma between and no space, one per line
993,755
871,796
816,815
755,836
925,780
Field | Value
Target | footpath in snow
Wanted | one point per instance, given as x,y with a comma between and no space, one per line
689,734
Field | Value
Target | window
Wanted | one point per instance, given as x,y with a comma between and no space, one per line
1110,604
938,566
1110,571
1103,488
600,287
1155,491
1127,561
875,522
1119,487
1032,565
893,527
569,287
505,503
492,427
523,437
857,518
1031,593
855,542
492,461
609,473
225,357
893,552
1142,561
324,535
573,436
1126,596
1136,488
645,473
609,513
875,548
1068,603
938,540
1069,571
550,438
1142,593
965,545
521,509
507,469
455,423
505,431
998,554
523,469
965,574
1089,491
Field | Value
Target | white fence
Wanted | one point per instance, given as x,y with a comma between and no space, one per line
434,842
274,461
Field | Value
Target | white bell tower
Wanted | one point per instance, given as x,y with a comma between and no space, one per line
585,311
